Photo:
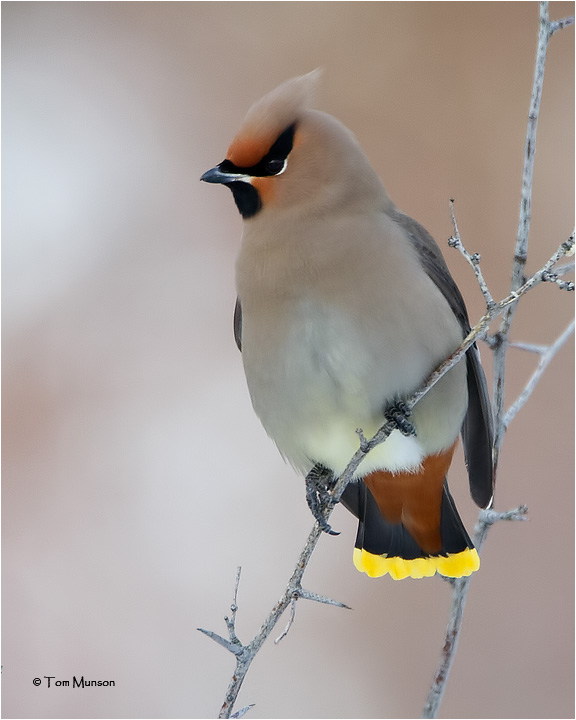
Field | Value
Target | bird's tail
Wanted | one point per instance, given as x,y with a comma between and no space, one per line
388,547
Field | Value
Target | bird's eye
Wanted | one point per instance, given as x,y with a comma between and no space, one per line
275,166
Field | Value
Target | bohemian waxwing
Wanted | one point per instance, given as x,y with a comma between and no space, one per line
345,306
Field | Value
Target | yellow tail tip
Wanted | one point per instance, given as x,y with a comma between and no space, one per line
454,565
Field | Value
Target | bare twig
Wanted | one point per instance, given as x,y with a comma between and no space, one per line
474,260
521,251
562,270
560,24
500,344
242,711
235,649
557,274
308,595
244,654
529,347
460,587
233,645
231,623
290,620
525,216
546,356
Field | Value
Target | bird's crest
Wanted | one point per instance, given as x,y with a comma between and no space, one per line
270,116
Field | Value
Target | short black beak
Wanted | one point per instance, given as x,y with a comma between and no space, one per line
245,194
215,175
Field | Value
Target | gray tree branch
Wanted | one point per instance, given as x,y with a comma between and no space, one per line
546,30
500,345
245,653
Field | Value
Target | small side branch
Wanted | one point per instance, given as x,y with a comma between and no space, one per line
557,274
560,24
546,355
242,711
233,644
290,621
302,594
236,650
231,623
308,595
474,260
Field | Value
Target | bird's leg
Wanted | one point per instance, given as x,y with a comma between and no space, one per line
319,481
399,414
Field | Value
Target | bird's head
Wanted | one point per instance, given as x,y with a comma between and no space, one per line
289,156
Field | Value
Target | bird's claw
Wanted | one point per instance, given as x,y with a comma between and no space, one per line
399,414
318,483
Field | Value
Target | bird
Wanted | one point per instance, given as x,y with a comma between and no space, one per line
344,307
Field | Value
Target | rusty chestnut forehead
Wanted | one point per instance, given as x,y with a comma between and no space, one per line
255,156
269,117
247,150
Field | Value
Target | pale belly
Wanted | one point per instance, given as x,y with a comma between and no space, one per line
335,442
312,388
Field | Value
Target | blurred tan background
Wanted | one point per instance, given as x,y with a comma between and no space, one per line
135,475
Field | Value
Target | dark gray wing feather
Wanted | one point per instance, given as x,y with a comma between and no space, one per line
477,432
238,324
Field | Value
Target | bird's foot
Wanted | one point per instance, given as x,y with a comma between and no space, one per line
319,482
399,414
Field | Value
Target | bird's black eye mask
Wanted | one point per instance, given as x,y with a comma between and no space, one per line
246,196
273,163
